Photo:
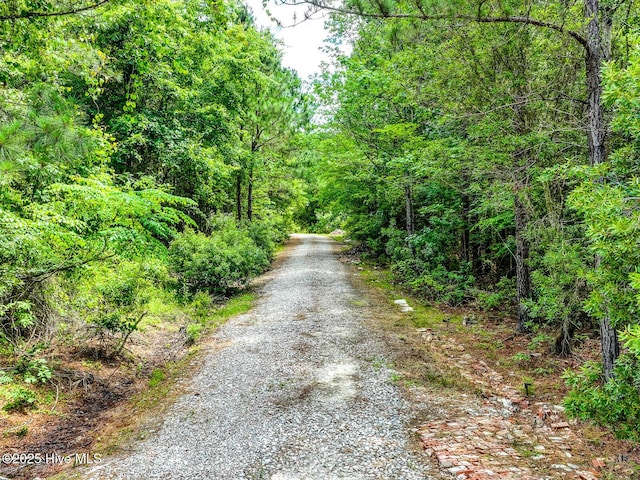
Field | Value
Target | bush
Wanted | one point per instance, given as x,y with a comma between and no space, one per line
200,312
419,262
20,400
221,263
436,284
266,234
114,298
451,288
32,369
614,404
502,294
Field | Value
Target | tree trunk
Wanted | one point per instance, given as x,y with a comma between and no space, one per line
610,346
562,346
465,240
598,52
408,204
250,195
521,162
523,280
239,197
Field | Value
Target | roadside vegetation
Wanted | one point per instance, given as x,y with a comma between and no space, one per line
144,181
488,155
463,357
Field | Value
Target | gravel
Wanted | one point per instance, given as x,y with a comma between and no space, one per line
300,392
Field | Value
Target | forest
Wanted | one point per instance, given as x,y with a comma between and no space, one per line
145,174
153,154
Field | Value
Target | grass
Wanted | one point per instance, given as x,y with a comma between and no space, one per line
232,307
423,316
157,377
20,397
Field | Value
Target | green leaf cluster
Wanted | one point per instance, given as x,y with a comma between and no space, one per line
126,133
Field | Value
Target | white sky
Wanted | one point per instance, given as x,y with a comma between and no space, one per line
302,41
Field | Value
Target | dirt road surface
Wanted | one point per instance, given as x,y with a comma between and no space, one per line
300,390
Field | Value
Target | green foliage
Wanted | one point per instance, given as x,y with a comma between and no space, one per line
557,277
424,166
5,378
119,130
220,263
156,378
200,307
114,298
20,399
521,357
32,368
437,283
502,295
613,228
614,404
631,338
539,340
420,261
446,155
607,199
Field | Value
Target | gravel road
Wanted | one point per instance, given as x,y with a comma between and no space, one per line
301,391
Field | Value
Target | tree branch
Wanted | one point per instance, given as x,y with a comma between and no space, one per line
422,16
27,15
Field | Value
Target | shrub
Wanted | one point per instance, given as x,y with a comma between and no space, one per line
419,261
20,400
267,234
34,370
614,404
193,332
501,295
437,284
115,299
200,312
219,264
449,287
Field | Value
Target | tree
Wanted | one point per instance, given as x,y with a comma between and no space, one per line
594,35
274,110
21,10
120,123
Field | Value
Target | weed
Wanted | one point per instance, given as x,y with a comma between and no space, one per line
520,357
193,332
544,371
525,452
157,377
378,363
358,303
20,400
541,339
